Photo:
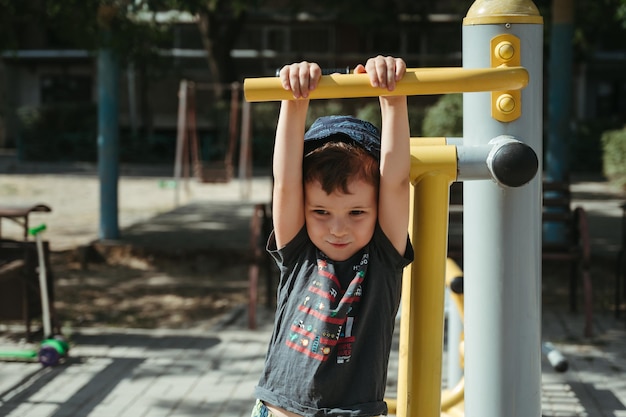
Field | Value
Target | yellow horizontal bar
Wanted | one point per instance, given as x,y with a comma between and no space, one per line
416,81
428,141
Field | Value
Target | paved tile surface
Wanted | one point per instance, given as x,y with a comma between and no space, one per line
115,372
594,384
140,373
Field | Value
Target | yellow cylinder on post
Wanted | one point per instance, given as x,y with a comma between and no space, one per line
487,12
416,81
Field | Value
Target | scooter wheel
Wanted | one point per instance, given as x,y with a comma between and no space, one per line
49,356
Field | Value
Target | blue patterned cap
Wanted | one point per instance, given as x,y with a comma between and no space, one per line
343,128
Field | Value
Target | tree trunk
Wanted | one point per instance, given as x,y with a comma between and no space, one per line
204,24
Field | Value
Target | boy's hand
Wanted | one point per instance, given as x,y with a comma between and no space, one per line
384,71
300,78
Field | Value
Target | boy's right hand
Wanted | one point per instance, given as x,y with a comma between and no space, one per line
300,78
383,71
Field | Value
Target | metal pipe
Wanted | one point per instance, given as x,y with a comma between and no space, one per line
416,81
454,327
181,132
108,140
502,227
433,169
505,159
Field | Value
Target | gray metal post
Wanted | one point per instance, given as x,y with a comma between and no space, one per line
502,226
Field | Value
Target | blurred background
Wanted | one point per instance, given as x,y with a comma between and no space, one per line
51,50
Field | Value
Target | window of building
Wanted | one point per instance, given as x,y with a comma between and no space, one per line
63,88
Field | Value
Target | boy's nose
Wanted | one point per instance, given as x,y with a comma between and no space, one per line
337,227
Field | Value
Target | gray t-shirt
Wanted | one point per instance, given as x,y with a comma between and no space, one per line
334,324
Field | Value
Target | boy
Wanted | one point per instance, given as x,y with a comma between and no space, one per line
340,212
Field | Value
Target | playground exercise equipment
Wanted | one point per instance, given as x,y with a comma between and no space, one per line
53,348
502,40
452,399
417,81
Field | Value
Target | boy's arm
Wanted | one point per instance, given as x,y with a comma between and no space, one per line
395,165
288,194
395,160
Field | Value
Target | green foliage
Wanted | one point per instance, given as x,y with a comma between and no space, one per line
614,156
68,132
371,113
59,132
319,108
620,14
599,25
70,117
265,117
236,7
445,118
417,113
585,149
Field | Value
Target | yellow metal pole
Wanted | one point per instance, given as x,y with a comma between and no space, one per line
453,400
417,81
454,271
433,169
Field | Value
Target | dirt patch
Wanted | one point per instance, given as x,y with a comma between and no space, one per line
174,288
135,292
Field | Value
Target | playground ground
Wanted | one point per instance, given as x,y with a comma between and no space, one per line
190,360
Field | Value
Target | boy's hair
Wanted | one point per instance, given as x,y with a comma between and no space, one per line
336,163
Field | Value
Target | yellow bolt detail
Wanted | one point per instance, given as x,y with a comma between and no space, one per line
506,103
505,51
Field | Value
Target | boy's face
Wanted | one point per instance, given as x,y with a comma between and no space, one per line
340,224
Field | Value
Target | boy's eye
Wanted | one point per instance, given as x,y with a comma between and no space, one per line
320,212
357,212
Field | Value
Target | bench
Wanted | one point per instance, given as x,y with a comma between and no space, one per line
19,265
20,297
574,249
19,214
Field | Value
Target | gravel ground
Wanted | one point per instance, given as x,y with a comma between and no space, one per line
75,201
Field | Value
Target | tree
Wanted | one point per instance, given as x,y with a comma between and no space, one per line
219,24
621,13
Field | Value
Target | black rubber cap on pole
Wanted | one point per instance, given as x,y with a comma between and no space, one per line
514,164
456,285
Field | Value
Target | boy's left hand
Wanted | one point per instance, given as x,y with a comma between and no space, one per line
300,78
384,71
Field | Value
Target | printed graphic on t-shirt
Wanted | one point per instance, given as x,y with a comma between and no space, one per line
323,326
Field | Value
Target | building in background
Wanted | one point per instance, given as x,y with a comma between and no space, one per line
43,74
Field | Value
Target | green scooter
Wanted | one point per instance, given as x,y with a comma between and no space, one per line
53,348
